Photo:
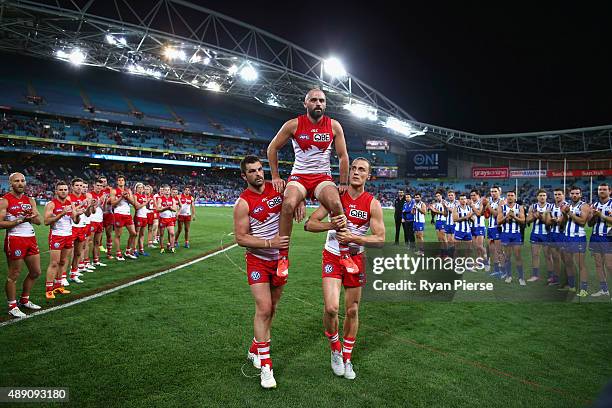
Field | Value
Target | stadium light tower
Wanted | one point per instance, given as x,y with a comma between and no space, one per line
334,68
248,73
362,111
75,57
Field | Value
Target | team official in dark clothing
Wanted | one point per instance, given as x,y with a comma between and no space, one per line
399,207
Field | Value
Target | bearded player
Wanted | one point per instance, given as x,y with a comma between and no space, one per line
17,214
312,136
256,224
361,213
186,214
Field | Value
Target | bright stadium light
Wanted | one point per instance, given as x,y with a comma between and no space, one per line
248,73
334,67
194,82
139,70
110,39
362,111
173,53
122,41
273,101
195,58
75,57
206,61
232,70
213,86
405,128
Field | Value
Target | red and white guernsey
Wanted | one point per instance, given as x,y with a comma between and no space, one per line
63,226
357,212
312,146
185,204
106,207
166,201
264,217
78,201
142,211
151,200
97,215
18,208
123,206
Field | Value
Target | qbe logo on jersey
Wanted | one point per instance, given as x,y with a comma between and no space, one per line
275,202
321,137
362,215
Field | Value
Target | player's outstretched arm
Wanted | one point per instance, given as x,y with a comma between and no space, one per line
280,140
342,152
242,230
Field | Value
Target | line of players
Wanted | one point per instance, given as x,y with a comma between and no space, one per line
77,219
462,221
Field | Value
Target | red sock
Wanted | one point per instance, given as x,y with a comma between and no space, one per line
57,283
12,304
72,271
49,286
253,348
81,265
283,252
263,348
109,246
24,299
347,347
118,254
96,260
86,261
64,275
334,341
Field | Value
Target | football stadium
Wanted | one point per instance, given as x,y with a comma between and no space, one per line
165,242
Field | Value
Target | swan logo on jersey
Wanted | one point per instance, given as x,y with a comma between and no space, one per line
257,210
274,202
362,215
304,136
255,275
329,268
321,137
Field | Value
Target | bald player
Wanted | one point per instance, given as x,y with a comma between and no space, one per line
312,136
17,214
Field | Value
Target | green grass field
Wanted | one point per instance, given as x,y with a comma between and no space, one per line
181,339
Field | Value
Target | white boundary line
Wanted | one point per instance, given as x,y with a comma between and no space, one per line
115,289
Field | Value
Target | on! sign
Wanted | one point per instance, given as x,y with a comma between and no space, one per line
490,172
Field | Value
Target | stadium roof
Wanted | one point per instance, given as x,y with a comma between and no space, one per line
177,41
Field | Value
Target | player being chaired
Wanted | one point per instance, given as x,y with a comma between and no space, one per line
17,214
363,212
256,223
312,136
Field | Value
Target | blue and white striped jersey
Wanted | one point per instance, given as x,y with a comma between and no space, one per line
493,218
511,226
600,227
478,220
419,216
556,213
573,229
463,226
439,207
451,206
539,227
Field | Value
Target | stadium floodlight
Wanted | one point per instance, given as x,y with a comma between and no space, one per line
206,61
248,73
172,53
194,82
122,41
362,111
139,70
273,101
232,70
400,126
334,67
110,39
195,58
76,56
213,86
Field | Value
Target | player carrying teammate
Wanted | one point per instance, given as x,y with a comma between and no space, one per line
186,214
256,224
60,214
312,136
362,212
17,214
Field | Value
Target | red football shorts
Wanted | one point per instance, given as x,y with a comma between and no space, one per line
88,230
20,247
183,218
78,234
262,271
123,220
331,268
141,221
57,243
167,222
310,181
96,227
150,218
108,219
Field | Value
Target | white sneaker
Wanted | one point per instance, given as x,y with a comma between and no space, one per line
600,293
131,256
337,364
30,305
65,282
487,268
349,373
77,273
267,377
522,282
100,264
120,258
508,279
15,312
81,270
75,279
90,267
254,358
533,279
